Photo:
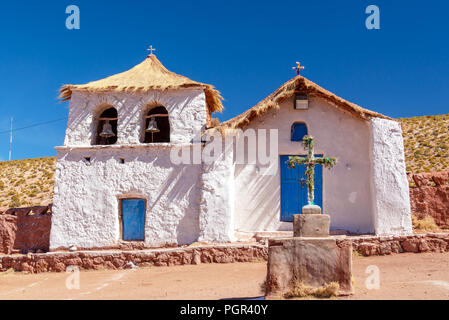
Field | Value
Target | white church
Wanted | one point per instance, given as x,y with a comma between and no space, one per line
116,182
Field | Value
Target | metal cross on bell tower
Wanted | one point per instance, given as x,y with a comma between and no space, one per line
151,50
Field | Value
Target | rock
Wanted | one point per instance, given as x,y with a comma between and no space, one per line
41,266
411,245
25,267
440,178
59,267
196,258
385,248
431,201
73,248
130,265
420,180
74,262
368,249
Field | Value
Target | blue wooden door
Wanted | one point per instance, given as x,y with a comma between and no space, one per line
294,189
133,219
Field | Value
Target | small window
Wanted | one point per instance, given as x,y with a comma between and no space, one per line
157,126
107,127
301,102
299,131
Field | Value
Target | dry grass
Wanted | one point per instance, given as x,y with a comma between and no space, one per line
302,291
146,76
288,90
25,183
426,142
427,224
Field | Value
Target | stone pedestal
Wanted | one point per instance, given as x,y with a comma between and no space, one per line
311,258
313,262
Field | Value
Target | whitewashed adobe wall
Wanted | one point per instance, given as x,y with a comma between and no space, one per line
391,189
347,188
186,109
185,202
86,199
218,199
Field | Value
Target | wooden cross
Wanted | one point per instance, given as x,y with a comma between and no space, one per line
151,50
310,161
298,68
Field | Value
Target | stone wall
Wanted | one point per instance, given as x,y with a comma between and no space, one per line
430,197
21,231
115,260
375,246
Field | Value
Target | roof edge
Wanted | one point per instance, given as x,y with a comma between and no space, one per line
288,89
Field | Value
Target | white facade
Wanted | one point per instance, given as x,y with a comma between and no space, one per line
87,194
367,192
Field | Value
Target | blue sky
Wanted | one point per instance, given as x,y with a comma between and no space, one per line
245,48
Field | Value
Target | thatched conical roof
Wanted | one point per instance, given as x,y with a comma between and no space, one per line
287,90
148,75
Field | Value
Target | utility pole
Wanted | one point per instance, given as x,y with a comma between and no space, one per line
10,142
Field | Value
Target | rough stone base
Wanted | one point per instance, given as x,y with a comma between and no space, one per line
314,262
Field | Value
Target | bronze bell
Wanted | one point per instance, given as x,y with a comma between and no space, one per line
107,131
152,126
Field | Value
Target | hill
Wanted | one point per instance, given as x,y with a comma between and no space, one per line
25,183
426,142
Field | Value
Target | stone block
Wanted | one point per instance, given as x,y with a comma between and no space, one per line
311,225
311,209
314,262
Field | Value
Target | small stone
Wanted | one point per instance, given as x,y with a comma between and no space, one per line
73,248
130,265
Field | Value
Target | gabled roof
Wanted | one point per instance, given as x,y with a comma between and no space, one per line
148,75
287,90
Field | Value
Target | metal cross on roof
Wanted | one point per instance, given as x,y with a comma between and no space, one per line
298,68
151,50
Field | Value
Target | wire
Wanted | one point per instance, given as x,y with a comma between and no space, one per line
33,125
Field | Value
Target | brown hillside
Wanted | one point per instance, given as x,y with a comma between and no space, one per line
426,141
25,183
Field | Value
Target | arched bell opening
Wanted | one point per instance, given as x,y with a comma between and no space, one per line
157,126
107,127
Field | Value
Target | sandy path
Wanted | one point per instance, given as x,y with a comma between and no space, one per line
402,276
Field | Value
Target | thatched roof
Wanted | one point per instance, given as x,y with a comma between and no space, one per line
148,75
287,90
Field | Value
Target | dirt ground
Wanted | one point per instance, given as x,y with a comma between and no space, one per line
402,276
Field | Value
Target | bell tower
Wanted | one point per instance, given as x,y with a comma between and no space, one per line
115,181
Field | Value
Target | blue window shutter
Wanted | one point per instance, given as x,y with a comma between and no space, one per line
299,130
